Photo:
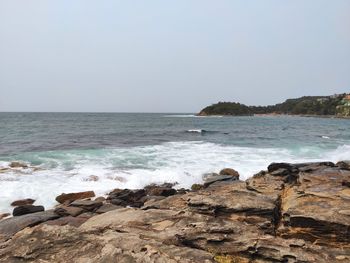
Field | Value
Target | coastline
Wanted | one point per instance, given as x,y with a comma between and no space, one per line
273,216
277,115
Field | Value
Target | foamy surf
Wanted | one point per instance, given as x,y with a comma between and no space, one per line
102,170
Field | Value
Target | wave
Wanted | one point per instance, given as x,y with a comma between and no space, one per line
102,170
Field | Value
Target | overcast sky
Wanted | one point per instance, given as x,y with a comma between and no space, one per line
169,56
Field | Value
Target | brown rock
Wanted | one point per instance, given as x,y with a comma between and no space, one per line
68,211
67,220
106,208
63,198
229,171
2,216
17,164
27,201
291,213
87,205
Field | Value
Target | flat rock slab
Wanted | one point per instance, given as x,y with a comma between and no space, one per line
10,226
68,198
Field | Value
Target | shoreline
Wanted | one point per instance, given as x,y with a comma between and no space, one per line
277,115
279,212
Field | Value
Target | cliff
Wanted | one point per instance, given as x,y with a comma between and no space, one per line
288,213
337,105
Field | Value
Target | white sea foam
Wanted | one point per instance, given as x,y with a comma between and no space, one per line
196,131
181,162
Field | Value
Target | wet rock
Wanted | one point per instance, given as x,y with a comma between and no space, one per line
67,198
68,211
127,197
27,201
345,165
87,205
155,190
17,164
197,187
10,226
27,209
229,171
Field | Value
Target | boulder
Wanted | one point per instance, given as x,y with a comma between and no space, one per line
156,190
213,178
87,205
68,198
106,208
229,171
17,164
68,210
197,187
27,209
27,201
345,165
127,197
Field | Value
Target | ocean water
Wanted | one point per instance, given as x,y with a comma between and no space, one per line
103,151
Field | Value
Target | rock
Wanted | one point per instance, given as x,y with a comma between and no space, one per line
155,190
68,198
67,220
2,216
229,171
292,213
100,199
344,165
127,197
27,209
17,164
106,208
217,178
10,226
68,211
87,205
27,201
197,187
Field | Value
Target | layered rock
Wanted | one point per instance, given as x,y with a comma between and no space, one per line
289,213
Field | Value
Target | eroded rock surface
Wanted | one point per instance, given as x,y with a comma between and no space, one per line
289,213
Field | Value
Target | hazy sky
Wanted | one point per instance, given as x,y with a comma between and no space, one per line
169,56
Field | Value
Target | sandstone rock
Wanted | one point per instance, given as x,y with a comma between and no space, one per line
290,213
27,201
2,216
344,165
63,198
160,191
10,226
27,209
127,197
229,171
17,164
67,220
196,187
106,208
217,178
87,205
68,210
100,199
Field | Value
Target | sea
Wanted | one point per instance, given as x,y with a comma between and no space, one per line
72,152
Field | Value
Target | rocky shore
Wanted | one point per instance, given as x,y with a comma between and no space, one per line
288,213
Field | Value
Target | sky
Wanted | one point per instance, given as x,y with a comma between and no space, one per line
169,56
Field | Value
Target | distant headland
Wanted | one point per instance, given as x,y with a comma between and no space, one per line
337,105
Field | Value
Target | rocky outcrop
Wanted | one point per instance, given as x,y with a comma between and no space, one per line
289,213
68,198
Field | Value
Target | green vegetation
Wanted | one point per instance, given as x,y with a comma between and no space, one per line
309,105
